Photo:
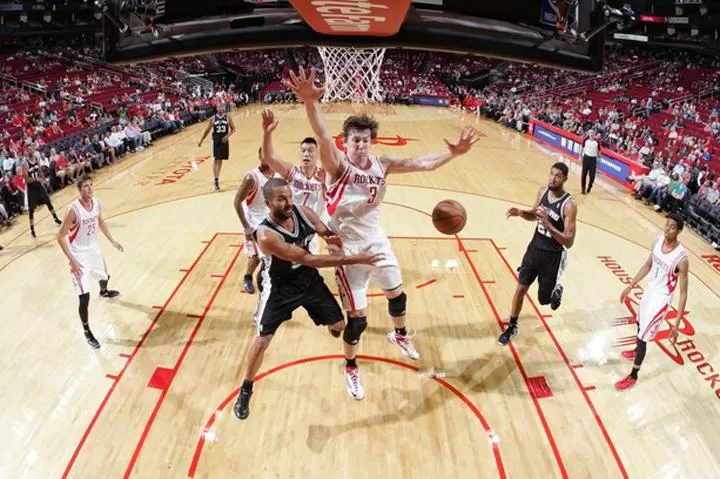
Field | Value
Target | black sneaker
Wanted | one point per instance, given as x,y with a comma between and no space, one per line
248,284
109,293
507,335
94,343
242,405
556,297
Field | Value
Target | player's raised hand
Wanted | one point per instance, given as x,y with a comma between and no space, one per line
304,85
467,138
269,122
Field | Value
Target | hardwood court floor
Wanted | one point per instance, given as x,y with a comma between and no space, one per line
155,400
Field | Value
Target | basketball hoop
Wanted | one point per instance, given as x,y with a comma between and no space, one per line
352,73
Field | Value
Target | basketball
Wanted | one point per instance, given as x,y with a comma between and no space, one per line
449,217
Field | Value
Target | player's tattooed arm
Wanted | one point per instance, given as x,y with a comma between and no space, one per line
432,161
269,123
242,194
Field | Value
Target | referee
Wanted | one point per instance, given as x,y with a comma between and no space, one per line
591,147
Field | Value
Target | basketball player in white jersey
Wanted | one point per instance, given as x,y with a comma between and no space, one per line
222,126
306,179
356,184
80,226
251,210
668,265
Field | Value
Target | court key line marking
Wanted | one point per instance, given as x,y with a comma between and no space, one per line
103,403
211,421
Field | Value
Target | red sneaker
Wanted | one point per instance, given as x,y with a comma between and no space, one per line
628,354
626,383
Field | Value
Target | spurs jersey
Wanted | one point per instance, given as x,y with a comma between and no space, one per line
255,208
219,127
309,192
354,201
556,215
663,276
83,234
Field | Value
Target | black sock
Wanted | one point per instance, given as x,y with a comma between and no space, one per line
83,311
350,363
634,373
247,385
513,320
401,331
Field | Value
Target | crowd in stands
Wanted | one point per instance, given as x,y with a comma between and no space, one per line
661,108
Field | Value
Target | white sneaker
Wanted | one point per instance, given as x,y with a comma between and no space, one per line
404,342
352,381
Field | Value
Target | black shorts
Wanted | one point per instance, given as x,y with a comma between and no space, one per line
37,195
221,151
545,266
277,304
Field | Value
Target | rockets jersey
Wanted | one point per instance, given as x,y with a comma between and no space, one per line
663,277
308,192
255,208
354,201
83,233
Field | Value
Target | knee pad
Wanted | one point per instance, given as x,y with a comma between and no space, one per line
396,305
353,330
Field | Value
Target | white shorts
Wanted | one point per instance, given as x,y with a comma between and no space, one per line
251,247
353,280
93,265
651,314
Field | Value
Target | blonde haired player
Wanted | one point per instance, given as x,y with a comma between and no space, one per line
306,179
668,265
80,226
356,184
251,210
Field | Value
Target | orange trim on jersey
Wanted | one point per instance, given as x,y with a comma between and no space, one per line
671,276
75,229
252,194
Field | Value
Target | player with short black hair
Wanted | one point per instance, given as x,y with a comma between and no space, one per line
668,265
290,278
546,256
222,126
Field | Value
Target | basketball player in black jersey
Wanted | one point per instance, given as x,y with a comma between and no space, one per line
222,127
546,255
290,278
35,192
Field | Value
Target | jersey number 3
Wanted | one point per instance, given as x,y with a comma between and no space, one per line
373,194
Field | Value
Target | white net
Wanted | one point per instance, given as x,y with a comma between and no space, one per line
352,73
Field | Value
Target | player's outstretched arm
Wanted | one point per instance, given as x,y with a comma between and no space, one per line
684,269
106,231
332,159
271,243
528,215
67,223
269,123
242,193
432,161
